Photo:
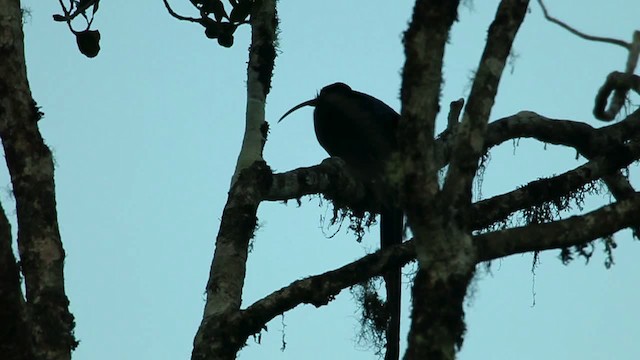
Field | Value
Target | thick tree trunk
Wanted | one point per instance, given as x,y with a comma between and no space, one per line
31,168
437,326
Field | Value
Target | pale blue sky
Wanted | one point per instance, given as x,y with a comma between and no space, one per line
146,135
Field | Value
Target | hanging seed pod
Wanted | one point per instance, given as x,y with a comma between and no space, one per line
88,42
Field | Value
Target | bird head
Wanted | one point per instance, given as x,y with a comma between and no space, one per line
333,89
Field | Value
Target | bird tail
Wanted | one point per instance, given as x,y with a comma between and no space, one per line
391,229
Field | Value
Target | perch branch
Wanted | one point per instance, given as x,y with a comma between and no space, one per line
330,177
320,289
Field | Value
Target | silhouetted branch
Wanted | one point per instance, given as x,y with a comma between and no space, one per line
560,234
67,17
580,136
497,208
251,180
17,342
470,136
579,33
615,82
424,44
330,177
619,84
320,289
30,166
178,16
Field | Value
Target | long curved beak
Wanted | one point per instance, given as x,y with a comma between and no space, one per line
311,102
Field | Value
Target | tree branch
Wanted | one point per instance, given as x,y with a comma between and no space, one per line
320,289
526,124
619,84
424,45
31,169
575,230
262,55
579,33
331,178
470,136
614,82
585,139
425,42
251,181
537,192
15,332
228,268
178,16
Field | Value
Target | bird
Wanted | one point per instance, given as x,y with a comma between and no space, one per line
361,130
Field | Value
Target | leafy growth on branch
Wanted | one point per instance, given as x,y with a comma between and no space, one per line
374,315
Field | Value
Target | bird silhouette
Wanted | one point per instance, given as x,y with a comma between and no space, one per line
361,130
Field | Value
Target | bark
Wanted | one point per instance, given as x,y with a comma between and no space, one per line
576,230
424,43
320,289
588,141
15,332
619,84
30,165
331,178
489,211
219,336
313,180
262,55
470,135
440,222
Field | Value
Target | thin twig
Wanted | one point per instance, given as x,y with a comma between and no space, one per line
613,41
67,15
177,16
64,9
613,83
634,53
